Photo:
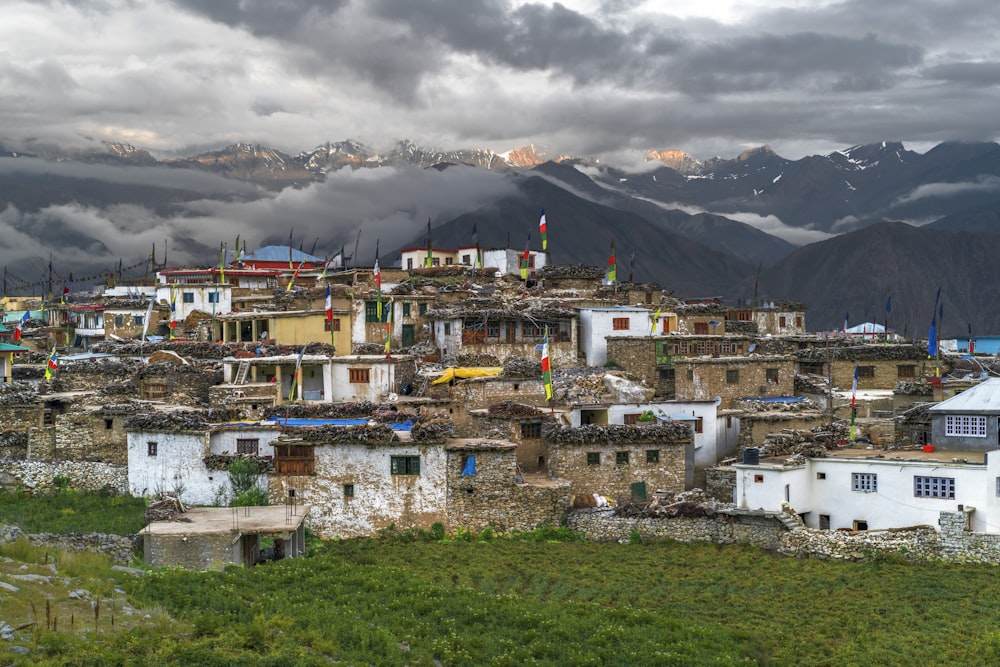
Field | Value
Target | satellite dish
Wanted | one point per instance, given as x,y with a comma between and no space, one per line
753,346
713,323
718,401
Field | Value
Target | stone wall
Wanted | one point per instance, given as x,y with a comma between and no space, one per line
83,475
195,552
14,445
704,379
481,393
492,497
720,483
955,542
636,356
605,476
80,436
118,547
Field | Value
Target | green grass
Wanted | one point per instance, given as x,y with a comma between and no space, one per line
414,597
71,511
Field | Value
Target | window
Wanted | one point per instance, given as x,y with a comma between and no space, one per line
531,430
593,458
151,448
860,524
934,487
348,491
824,522
187,297
531,330
447,328
798,321
213,297
371,311
782,322
332,325
906,371
109,423
701,328
865,482
733,377
974,427
247,446
467,259
619,323
698,425
758,479
690,375
422,309
821,475
294,459
137,320
771,375
409,263
621,458
359,375
404,465
653,456
406,309
448,261
866,371
632,419
119,320
436,261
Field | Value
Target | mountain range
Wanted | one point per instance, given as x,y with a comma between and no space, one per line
842,232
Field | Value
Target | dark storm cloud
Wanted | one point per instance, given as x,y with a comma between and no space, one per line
264,18
973,73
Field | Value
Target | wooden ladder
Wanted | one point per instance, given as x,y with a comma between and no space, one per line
242,372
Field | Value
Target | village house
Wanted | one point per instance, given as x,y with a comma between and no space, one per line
405,313
596,324
124,318
323,378
879,366
291,327
506,330
969,421
732,379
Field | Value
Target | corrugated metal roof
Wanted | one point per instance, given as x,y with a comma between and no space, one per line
983,398
279,253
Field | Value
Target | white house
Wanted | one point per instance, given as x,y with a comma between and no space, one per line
596,324
872,490
214,299
508,260
324,379
171,460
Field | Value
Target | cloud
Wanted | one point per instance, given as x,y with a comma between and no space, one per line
387,204
773,225
984,183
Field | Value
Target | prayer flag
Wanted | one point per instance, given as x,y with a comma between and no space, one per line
854,398
430,252
612,274
173,312
525,257
546,368
329,306
20,323
543,230
51,365
378,281
656,318
297,378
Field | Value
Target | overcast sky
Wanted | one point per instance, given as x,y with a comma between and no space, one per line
584,76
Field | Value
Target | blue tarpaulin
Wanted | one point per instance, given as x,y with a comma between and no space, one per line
777,399
470,466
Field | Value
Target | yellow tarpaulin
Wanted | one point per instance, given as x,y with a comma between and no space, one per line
482,372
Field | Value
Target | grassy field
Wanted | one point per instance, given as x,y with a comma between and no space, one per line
70,511
541,600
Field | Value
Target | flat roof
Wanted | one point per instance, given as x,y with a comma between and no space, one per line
221,520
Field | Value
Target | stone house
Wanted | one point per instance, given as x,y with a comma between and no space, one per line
486,488
127,318
517,423
701,318
504,331
879,366
734,378
623,462
409,324
359,480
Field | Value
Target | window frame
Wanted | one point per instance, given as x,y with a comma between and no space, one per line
152,448
652,456
187,297
248,446
532,430
864,482
621,458
405,465
965,426
942,488
593,458
732,376
359,375
620,324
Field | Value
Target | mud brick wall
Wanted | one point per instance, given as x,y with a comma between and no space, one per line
492,497
704,379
